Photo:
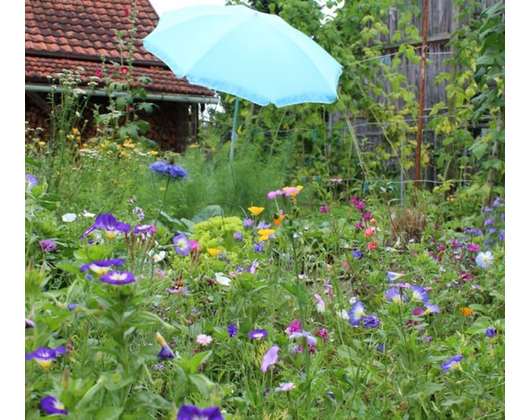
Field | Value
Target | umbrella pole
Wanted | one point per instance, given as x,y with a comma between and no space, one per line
234,132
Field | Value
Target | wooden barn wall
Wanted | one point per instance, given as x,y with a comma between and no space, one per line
443,20
173,125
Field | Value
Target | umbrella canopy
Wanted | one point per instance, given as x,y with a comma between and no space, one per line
252,55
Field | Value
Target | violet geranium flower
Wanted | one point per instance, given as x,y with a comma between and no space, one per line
269,358
109,224
44,356
190,412
118,277
52,405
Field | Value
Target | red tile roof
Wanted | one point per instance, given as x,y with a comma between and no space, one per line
66,34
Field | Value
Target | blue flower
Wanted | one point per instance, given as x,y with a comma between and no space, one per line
164,168
257,334
101,267
166,352
419,294
108,224
183,244
395,296
491,332
190,412
31,181
232,330
391,276
484,259
357,254
452,363
52,405
118,277
44,356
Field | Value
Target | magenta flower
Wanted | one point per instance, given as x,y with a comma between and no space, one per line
452,363
118,277
52,405
257,334
322,333
295,326
324,209
311,340
190,412
44,356
269,358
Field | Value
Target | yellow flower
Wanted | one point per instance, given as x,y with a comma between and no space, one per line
256,210
153,152
292,191
214,252
265,233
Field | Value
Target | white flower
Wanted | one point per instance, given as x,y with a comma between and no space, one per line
87,214
221,279
159,257
69,217
484,259
343,314
204,339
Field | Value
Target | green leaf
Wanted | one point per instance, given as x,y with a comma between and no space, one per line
203,384
148,400
109,413
207,213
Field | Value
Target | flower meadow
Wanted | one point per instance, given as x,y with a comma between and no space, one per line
282,309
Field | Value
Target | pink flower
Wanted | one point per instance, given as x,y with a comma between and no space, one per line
269,358
324,209
204,340
99,73
369,232
372,245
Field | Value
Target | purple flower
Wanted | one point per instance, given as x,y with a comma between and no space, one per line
101,267
264,225
31,181
311,340
391,276
324,209
259,247
258,334
381,348
491,332
395,296
190,412
269,358
144,229
29,323
232,330
452,363
164,168
166,352
109,224
489,221
118,277
52,405
473,247
357,254
47,245
139,213
431,308
238,236
44,356
370,321
248,223
286,387
356,313
498,202
419,294
182,244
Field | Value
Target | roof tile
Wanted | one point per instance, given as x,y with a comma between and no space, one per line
70,33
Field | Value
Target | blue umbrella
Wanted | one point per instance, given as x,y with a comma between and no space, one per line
251,55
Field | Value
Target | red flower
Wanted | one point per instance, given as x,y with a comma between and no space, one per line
99,73
124,70
372,245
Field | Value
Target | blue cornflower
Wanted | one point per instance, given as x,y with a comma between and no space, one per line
164,168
